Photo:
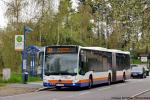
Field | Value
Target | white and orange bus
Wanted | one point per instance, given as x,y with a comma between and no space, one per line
77,66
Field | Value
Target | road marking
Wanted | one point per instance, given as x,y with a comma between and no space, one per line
103,88
83,93
142,92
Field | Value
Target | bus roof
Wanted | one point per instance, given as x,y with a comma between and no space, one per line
93,48
105,49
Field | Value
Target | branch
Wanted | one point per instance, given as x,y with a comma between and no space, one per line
7,3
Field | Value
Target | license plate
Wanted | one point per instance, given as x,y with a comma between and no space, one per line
59,84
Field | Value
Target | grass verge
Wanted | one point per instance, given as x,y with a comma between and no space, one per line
17,78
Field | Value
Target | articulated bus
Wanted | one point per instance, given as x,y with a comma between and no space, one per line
77,66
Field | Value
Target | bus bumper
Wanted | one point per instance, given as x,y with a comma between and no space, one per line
63,85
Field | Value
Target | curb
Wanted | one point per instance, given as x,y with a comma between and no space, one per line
44,88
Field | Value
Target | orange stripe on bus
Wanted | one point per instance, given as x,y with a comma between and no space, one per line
60,81
80,81
84,81
66,81
95,79
52,81
100,78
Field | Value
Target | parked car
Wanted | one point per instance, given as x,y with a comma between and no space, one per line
134,65
147,71
138,72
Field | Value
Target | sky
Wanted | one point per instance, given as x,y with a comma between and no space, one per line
3,21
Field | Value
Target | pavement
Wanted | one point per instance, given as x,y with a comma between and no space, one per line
15,89
28,85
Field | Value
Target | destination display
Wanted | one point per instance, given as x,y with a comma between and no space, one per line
61,49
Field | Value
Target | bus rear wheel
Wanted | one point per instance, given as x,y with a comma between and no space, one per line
109,79
124,77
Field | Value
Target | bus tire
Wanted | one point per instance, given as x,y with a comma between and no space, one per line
124,77
109,79
90,81
58,87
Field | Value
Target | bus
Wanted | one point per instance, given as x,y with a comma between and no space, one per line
77,66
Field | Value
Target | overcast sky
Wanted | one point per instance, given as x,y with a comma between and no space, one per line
3,20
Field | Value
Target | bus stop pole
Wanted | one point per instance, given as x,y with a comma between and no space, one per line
24,57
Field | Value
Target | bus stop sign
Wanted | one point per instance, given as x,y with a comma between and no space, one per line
19,42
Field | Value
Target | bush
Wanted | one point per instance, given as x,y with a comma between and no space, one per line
34,78
136,61
17,78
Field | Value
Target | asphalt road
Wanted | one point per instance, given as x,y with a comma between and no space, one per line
117,91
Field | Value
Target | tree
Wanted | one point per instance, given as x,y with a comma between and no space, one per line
13,12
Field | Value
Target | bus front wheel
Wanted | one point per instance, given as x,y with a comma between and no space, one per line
58,88
90,82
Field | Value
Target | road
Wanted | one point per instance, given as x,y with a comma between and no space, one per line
117,91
